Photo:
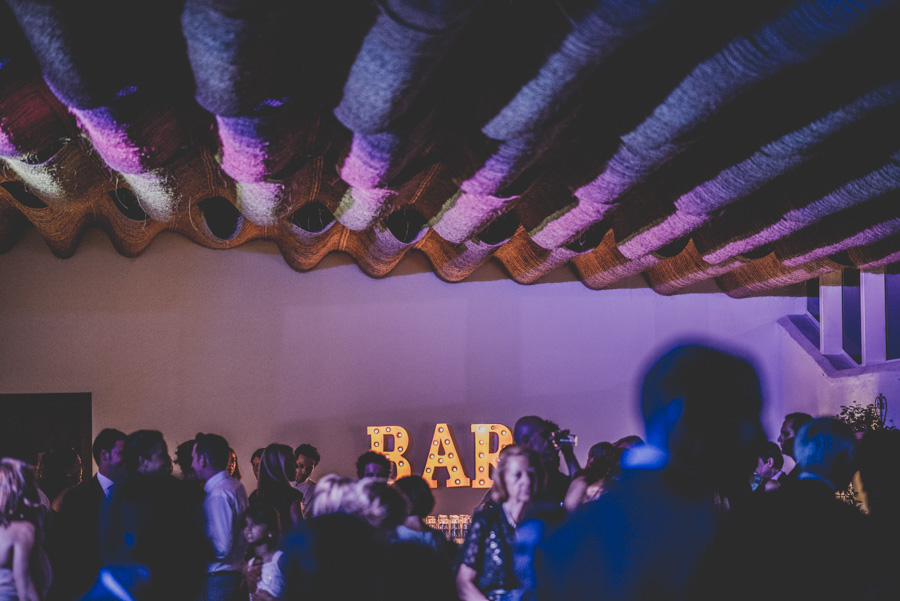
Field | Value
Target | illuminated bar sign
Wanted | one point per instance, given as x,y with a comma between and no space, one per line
393,442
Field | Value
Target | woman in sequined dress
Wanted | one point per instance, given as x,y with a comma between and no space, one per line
486,571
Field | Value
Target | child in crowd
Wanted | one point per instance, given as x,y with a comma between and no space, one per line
262,529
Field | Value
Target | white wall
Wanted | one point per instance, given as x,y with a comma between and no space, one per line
822,389
186,339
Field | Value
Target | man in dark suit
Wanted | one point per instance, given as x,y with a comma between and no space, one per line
153,540
643,538
75,548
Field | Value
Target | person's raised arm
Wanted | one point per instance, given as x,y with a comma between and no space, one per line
575,494
568,450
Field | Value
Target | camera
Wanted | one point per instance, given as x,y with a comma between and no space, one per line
564,437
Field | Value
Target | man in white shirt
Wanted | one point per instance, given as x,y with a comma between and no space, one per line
225,503
308,458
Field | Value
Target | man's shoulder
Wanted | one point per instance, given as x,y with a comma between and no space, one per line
227,487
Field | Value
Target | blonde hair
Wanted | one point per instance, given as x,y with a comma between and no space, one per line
329,494
499,493
377,502
17,490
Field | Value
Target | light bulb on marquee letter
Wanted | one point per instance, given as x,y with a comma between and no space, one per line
442,453
400,444
484,457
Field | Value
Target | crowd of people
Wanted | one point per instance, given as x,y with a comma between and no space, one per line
699,508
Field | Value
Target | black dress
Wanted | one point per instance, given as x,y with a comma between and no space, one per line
488,549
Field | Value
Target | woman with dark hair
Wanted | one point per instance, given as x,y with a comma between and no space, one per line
233,468
24,569
254,462
603,469
425,552
277,469
487,570
60,471
629,442
421,502
183,460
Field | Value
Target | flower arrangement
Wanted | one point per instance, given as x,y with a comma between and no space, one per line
862,419
865,419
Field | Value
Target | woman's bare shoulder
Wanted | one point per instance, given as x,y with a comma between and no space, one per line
20,530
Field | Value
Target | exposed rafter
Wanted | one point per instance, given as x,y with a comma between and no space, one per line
754,145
